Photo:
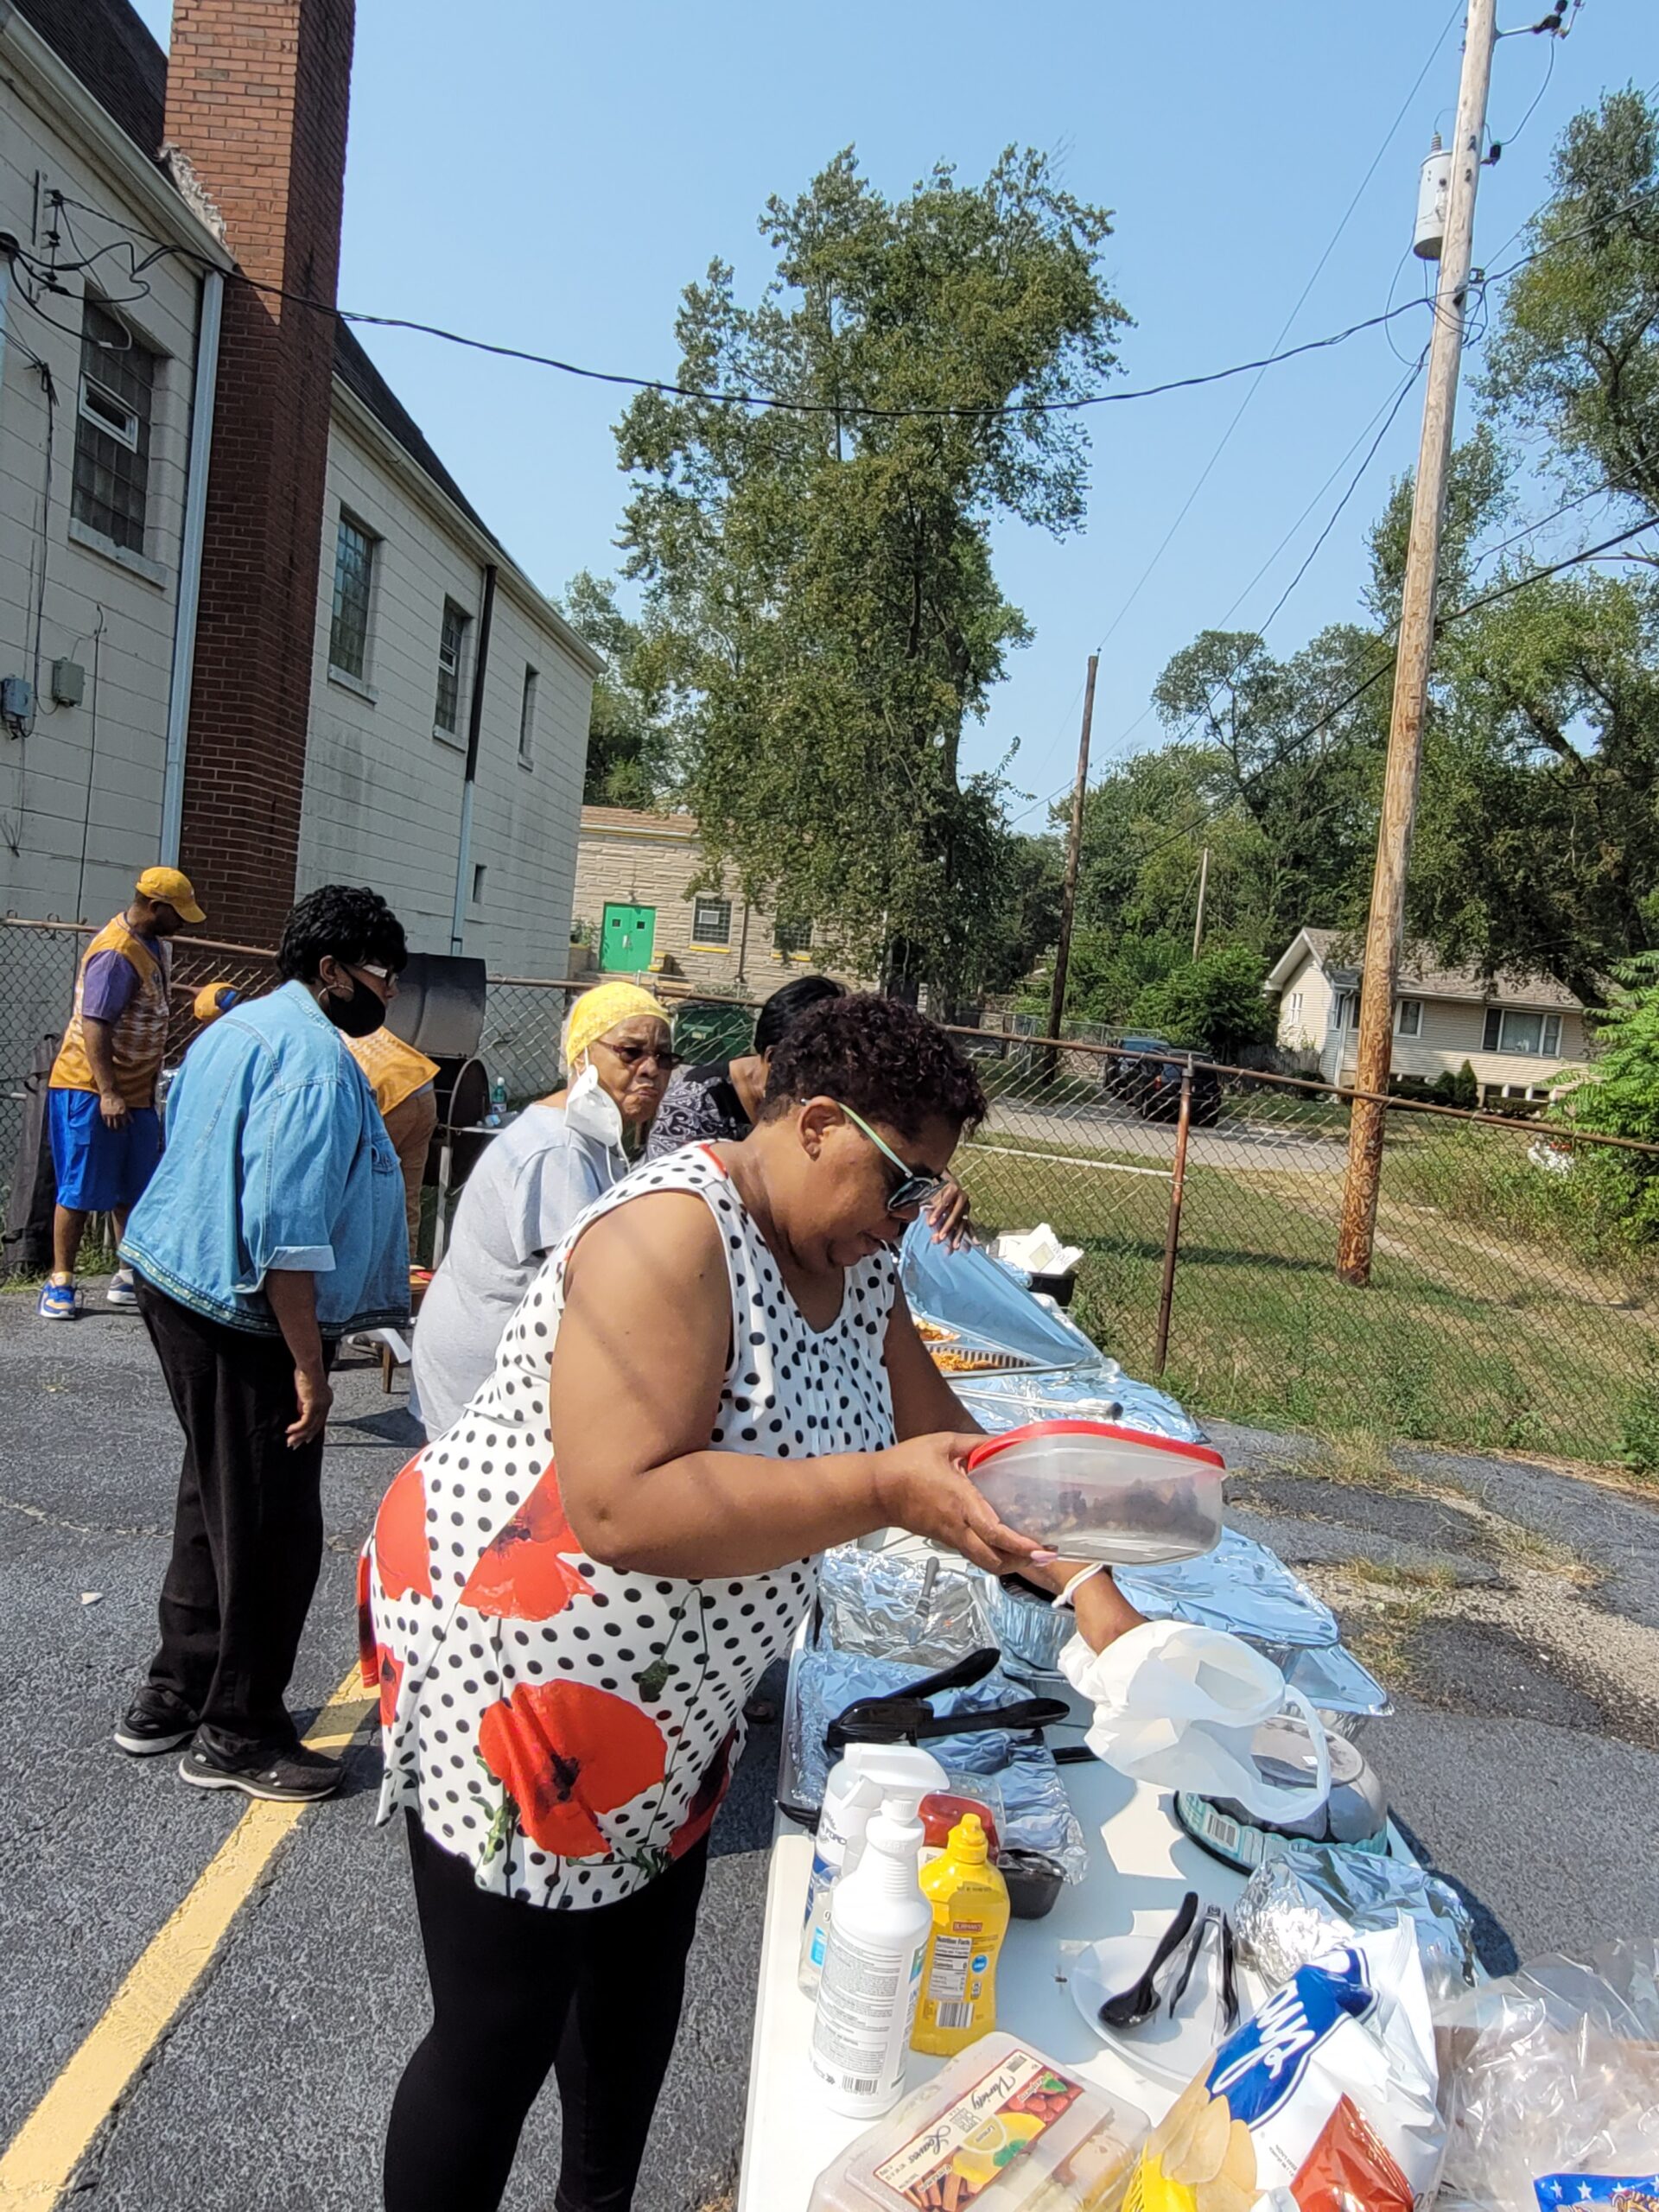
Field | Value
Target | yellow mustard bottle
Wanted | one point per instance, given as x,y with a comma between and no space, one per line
971,1918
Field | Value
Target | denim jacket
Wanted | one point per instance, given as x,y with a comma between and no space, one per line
276,1157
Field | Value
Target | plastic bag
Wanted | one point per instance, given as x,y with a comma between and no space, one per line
1315,1897
1553,2085
1177,1706
1323,2101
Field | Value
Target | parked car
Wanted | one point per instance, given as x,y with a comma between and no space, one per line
1145,1073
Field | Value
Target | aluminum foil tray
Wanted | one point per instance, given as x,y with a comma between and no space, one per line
1241,1586
896,1605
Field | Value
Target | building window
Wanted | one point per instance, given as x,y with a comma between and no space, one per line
1347,1008
1408,1018
478,883
452,645
1510,1030
348,630
118,383
791,938
527,717
711,922
1293,1009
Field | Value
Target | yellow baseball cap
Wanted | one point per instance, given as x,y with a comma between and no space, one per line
175,887
212,1000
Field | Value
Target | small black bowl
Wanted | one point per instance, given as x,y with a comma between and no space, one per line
1034,1882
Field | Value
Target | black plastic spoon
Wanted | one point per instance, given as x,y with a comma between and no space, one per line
1137,2003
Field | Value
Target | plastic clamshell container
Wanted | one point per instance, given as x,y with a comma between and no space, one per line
1095,1490
1000,2128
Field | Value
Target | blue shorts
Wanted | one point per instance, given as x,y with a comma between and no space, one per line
101,1170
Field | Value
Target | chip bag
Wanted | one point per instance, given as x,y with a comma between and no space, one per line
1327,2097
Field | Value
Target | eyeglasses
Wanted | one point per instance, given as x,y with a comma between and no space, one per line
633,1056
915,1188
371,968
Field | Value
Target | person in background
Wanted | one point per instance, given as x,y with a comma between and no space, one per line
212,1000
713,1378
105,1128
720,1100
533,1181
401,1079
273,1227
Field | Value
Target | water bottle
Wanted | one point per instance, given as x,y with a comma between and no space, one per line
498,1113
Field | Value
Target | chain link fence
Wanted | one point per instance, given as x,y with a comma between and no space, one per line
1507,1309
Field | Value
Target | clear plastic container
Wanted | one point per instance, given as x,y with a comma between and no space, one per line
1096,1492
1000,2128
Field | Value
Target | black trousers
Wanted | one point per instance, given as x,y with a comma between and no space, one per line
517,1989
247,1529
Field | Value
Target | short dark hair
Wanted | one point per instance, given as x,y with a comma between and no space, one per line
355,925
880,1057
785,1007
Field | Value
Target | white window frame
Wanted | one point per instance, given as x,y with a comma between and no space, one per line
346,520
1415,1027
1549,1047
527,716
1346,1011
452,662
720,938
124,432
1294,1008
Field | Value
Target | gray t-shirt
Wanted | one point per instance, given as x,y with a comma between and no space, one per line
524,1192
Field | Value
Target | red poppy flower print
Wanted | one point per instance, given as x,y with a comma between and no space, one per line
524,1576
568,1753
711,1795
368,1651
400,1537
391,1675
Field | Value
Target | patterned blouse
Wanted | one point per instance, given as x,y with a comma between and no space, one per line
571,1728
701,1106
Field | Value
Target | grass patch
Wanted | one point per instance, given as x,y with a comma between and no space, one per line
1483,1341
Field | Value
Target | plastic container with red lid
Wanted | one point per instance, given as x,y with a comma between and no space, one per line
1095,1490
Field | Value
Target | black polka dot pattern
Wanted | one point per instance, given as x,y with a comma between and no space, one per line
685,1653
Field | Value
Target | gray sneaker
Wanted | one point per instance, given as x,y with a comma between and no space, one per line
288,1774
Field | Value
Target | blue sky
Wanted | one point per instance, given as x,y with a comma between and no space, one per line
553,176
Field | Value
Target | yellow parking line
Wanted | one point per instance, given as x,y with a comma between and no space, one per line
42,2158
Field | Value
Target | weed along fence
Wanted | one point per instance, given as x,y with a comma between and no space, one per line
1505,1310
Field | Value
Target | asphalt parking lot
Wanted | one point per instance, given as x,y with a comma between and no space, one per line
1517,1609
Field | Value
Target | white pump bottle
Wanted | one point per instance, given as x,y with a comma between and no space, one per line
852,1797
879,1931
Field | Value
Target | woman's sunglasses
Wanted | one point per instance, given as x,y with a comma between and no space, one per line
631,1056
915,1188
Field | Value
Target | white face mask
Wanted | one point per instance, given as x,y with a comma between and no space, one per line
592,1112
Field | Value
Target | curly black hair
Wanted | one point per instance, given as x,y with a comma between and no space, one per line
354,925
785,1007
879,1056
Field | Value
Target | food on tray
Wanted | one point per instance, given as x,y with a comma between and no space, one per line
975,1363
934,1332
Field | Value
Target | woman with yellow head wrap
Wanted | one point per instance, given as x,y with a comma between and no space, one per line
553,1160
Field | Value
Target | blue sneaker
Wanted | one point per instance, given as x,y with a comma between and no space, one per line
121,1290
59,1301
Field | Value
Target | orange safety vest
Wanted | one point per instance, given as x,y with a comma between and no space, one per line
139,1040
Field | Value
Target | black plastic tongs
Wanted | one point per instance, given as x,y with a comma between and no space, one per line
905,1716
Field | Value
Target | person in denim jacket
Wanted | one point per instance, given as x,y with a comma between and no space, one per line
273,1227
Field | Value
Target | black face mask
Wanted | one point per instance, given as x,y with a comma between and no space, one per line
361,1014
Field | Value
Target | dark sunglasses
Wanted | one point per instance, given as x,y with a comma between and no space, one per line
915,1188
631,1056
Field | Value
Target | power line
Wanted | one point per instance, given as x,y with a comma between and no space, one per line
1302,298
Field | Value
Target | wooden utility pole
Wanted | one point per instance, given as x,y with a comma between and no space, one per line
1413,656
1074,850
1204,885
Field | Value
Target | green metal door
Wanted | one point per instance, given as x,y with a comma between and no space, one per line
626,938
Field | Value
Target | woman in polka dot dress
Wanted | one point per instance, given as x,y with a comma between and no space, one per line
567,1608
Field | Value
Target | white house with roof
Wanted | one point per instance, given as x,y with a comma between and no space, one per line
1516,1032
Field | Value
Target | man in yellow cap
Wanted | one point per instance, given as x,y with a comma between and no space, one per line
106,1133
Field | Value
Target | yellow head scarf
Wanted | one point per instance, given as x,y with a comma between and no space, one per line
601,1009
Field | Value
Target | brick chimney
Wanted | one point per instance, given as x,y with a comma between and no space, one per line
257,93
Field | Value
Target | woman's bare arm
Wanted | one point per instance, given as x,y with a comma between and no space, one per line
641,1355
923,1401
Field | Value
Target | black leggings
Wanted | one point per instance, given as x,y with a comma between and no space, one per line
516,1989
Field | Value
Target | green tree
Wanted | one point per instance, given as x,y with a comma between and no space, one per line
1618,1096
630,744
1212,1005
821,583
1575,357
